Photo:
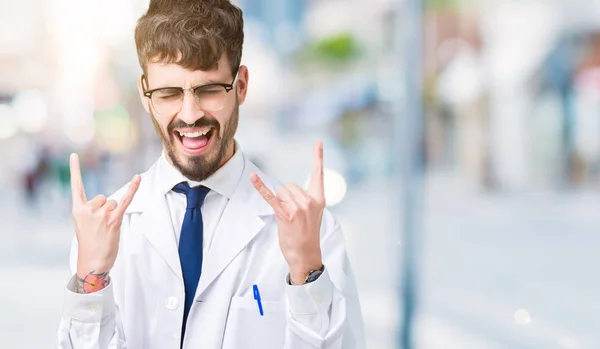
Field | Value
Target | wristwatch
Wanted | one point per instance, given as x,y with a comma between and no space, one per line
313,275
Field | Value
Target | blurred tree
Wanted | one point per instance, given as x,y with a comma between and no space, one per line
342,47
433,5
334,52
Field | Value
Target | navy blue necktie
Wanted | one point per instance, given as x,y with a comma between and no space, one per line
190,243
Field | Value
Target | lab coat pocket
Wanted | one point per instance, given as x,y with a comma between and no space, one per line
247,329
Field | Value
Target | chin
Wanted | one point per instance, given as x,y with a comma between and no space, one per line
196,167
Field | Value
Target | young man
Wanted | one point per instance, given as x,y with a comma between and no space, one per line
204,250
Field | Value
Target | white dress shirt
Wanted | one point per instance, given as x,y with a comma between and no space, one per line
222,184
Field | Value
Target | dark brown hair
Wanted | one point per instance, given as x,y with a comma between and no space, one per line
191,33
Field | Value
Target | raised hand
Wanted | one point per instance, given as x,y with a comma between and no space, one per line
299,214
97,227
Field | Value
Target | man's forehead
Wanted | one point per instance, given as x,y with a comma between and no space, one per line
203,64
175,74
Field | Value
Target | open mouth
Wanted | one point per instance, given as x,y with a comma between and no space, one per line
195,141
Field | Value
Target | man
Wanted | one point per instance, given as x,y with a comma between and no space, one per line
199,252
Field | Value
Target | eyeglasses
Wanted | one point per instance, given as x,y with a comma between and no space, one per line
210,97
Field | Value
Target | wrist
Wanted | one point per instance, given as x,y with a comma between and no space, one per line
90,268
87,272
92,282
298,278
298,275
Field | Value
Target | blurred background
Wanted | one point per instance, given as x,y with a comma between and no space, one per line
504,239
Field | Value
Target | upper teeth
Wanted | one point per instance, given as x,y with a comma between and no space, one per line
194,134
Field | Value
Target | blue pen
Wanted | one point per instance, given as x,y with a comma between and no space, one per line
257,297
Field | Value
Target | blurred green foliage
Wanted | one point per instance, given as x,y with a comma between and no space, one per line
341,47
435,5
336,50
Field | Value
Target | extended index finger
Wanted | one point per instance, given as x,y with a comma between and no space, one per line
77,189
315,186
267,194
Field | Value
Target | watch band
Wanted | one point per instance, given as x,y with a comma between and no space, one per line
312,276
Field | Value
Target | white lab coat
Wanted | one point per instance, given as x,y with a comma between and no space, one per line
143,305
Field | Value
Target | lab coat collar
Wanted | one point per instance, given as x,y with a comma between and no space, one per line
151,186
245,215
223,181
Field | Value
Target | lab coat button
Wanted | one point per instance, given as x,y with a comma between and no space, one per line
317,297
171,303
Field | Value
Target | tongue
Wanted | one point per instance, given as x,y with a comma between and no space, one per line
194,143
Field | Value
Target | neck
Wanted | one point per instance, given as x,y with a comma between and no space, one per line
229,153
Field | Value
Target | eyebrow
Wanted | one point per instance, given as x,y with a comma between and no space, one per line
206,83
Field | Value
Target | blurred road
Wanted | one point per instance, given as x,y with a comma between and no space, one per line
489,256
484,258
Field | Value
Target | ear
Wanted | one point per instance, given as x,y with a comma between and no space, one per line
242,84
145,100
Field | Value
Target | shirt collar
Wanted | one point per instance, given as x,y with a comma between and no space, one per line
224,181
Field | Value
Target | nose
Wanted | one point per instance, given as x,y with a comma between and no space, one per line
189,113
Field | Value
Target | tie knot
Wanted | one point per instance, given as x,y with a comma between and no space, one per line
195,196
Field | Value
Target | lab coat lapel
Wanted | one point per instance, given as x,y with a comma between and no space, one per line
155,222
158,229
241,221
